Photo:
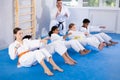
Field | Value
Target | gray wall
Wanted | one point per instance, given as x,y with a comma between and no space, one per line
6,23
44,8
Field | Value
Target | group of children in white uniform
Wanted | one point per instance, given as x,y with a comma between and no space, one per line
30,52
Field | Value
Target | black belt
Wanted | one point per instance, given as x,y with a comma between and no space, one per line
61,23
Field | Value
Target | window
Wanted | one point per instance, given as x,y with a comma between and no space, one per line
119,3
70,2
90,3
109,3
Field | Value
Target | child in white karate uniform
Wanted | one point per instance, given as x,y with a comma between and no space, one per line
53,47
27,56
80,36
71,43
102,37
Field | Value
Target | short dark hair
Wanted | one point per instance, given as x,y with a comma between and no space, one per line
86,21
71,25
16,30
58,0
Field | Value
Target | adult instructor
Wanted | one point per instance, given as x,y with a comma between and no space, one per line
59,16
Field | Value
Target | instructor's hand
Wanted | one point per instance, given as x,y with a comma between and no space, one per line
66,15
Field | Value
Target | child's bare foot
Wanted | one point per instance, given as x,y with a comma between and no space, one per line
72,60
105,44
108,44
101,46
58,69
75,62
84,52
69,62
87,51
113,43
49,73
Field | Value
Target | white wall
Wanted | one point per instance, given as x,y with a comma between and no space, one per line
44,8
6,23
77,15
118,23
99,17
104,18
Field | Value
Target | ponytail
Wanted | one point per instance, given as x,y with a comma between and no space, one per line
50,33
52,29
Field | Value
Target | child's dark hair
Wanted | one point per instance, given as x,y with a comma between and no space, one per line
52,29
71,25
27,37
16,30
86,21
